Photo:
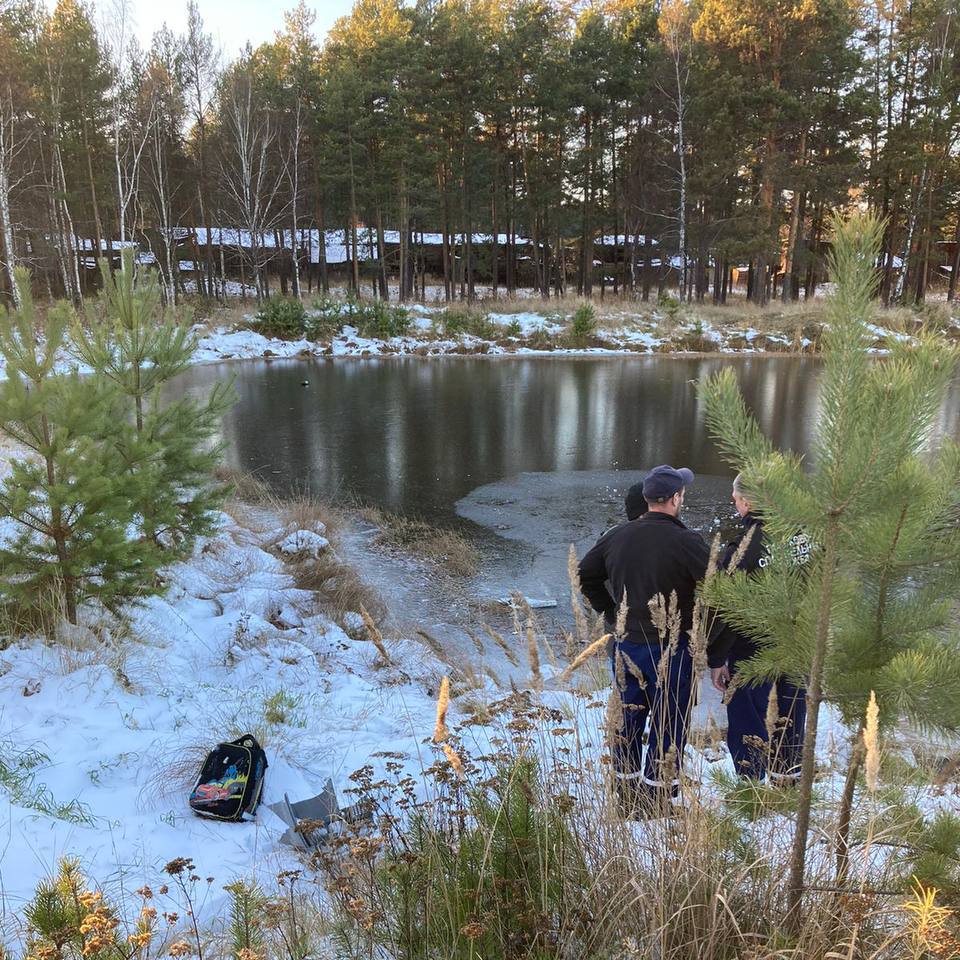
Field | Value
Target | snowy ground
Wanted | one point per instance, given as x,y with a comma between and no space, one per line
104,738
114,732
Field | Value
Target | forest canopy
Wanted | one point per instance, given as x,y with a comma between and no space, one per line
696,136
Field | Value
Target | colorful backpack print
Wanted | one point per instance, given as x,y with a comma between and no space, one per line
231,781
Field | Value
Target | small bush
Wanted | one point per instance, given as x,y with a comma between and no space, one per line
584,323
281,317
513,329
483,327
541,339
671,308
325,318
754,799
380,320
281,708
935,857
454,321
500,887
457,321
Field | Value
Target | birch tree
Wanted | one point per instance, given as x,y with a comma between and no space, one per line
201,64
675,34
250,178
15,138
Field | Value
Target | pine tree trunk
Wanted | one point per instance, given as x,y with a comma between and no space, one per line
495,250
97,226
955,266
355,274
810,283
404,227
798,853
787,291
322,230
383,290
58,534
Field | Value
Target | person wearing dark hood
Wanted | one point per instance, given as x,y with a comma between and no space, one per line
652,557
634,502
747,736
635,507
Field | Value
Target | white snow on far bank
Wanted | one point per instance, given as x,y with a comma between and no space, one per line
527,323
633,334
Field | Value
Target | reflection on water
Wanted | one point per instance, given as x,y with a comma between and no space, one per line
416,435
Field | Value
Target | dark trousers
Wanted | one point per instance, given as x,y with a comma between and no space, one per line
747,738
657,692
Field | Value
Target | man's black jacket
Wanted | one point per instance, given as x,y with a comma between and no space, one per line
726,643
654,554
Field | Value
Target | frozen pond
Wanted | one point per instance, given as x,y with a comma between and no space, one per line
528,454
416,436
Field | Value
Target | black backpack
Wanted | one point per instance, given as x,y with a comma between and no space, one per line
230,781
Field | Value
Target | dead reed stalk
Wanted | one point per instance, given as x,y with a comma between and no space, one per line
871,742
440,731
376,637
596,647
502,644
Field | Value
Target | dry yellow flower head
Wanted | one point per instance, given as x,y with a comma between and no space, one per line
453,758
871,741
440,731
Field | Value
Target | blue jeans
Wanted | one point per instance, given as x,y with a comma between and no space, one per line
747,730
660,696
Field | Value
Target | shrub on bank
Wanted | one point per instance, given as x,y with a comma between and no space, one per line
457,321
282,317
583,325
115,482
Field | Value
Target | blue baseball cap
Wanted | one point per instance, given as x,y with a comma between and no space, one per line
664,481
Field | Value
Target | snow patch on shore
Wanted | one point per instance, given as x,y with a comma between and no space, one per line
113,731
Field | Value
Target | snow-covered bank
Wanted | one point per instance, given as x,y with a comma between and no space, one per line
105,735
533,334
525,333
101,736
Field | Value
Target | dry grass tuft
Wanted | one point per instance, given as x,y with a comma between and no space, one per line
306,512
246,487
337,587
448,549
498,639
598,646
173,774
871,741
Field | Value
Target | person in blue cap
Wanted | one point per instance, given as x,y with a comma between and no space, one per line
747,736
653,556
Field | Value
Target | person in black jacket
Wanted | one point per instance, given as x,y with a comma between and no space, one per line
652,556
747,734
